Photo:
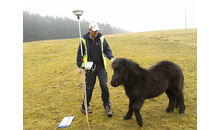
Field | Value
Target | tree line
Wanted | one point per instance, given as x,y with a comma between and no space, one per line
37,27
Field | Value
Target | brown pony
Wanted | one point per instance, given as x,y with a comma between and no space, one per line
141,84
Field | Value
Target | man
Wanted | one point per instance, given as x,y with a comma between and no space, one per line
95,48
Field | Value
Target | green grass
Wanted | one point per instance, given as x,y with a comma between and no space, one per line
50,82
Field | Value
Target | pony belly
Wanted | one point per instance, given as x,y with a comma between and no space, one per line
153,95
156,90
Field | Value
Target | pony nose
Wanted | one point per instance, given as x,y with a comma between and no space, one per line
114,84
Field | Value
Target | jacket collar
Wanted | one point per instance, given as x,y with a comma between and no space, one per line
87,35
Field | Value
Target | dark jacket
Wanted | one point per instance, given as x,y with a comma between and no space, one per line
106,49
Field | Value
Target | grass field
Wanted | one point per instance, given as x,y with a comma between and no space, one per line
50,82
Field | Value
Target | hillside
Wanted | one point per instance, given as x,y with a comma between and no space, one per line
50,82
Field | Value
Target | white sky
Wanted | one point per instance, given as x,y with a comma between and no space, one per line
131,15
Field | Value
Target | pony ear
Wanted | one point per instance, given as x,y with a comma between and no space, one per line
112,65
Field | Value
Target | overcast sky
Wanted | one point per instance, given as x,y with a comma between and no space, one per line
131,15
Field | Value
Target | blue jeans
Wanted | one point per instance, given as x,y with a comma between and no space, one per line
90,83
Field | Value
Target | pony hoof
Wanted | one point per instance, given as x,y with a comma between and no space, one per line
169,111
181,113
140,124
126,118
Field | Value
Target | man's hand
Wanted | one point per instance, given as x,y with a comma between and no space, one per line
112,60
79,71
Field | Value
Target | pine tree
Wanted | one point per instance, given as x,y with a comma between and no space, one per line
37,27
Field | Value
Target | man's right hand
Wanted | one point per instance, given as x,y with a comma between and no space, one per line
79,71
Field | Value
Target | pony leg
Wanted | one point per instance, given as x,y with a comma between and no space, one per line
171,97
136,107
180,100
130,111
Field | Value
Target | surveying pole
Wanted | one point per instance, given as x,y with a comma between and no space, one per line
79,13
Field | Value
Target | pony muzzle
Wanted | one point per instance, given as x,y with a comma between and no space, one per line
114,83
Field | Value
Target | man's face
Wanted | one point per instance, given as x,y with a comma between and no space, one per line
93,34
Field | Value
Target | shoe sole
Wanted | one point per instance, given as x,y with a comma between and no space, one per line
109,115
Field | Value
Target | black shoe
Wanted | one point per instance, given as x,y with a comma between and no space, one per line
108,111
84,111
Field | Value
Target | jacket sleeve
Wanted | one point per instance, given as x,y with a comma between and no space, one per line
107,50
78,58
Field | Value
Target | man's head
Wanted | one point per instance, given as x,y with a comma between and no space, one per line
93,29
